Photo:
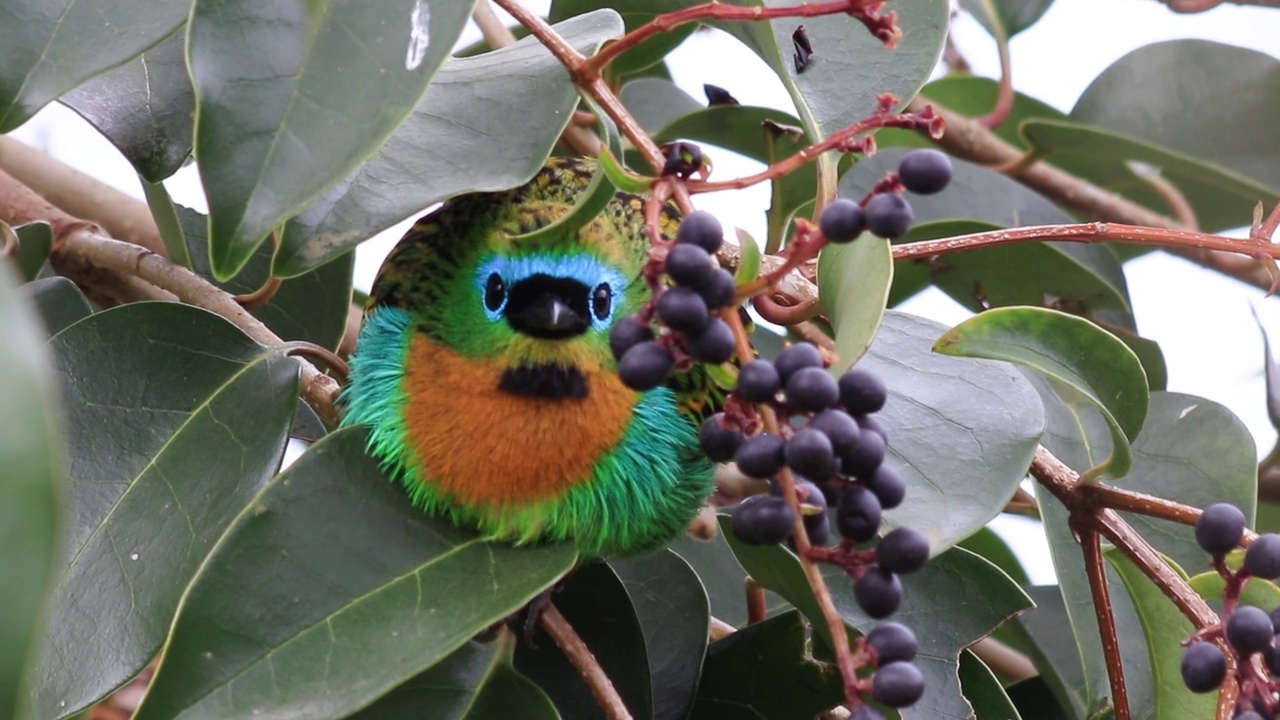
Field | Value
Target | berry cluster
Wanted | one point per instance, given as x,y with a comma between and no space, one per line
699,288
834,448
1250,632
887,213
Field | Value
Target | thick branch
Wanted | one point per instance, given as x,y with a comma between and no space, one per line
121,215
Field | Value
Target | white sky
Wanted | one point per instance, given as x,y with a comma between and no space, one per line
1200,319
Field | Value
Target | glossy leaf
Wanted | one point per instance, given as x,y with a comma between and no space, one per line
476,682
1189,448
850,67
722,578
929,607
1055,649
312,307
1072,351
954,424
175,419
51,46
993,548
291,98
596,603
58,302
656,103
1165,628
1271,371
446,146
750,258
34,241
672,609
364,587
1006,18
766,670
853,287
984,691
1257,592
1190,81
32,457
144,108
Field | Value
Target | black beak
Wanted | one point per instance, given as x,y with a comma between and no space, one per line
548,308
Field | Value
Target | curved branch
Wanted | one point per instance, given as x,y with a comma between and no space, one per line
580,655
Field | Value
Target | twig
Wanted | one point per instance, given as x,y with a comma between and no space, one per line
580,655
81,196
1005,96
757,606
83,246
1091,546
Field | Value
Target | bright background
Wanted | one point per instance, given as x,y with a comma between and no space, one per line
1200,318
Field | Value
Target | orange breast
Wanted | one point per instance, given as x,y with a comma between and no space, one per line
487,447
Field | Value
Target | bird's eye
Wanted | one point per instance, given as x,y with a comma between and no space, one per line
602,301
495,293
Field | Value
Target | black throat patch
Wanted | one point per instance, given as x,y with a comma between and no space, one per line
544,381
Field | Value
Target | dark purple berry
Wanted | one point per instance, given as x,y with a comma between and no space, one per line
865,457
763,520
1275,620
870,424
903,550
893,642
701,228
719,442
1272,656
888,216
1249,629
866,712
862,392
626,333
1203,667
888,486
858,513
688,264
1248,715
1262,559
878,592
796,357
811,389
683,309
760,456
815,524
645,366
842,221
718,289
840,429
1220,528
809,453
713,343
925,172
897,684
758,381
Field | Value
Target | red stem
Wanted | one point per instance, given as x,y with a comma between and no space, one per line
1091,545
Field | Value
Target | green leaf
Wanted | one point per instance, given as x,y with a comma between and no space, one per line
655,103
476,682
983,690
58,302
1006,18
1071,351
972,96
750,258
290,99
850,68
1271,371
912,276
34,242
597,606
1187,82
723,578
51,46
1056,650
1257,591
446,147
672,609
311,307
31,494
956,599
768,670
1190,449
175,419
1165,627
853,287
953,425
988,543
331,573
635,13
144,108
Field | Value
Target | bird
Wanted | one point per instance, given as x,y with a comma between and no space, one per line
484,374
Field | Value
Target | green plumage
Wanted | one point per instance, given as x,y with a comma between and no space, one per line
463,290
